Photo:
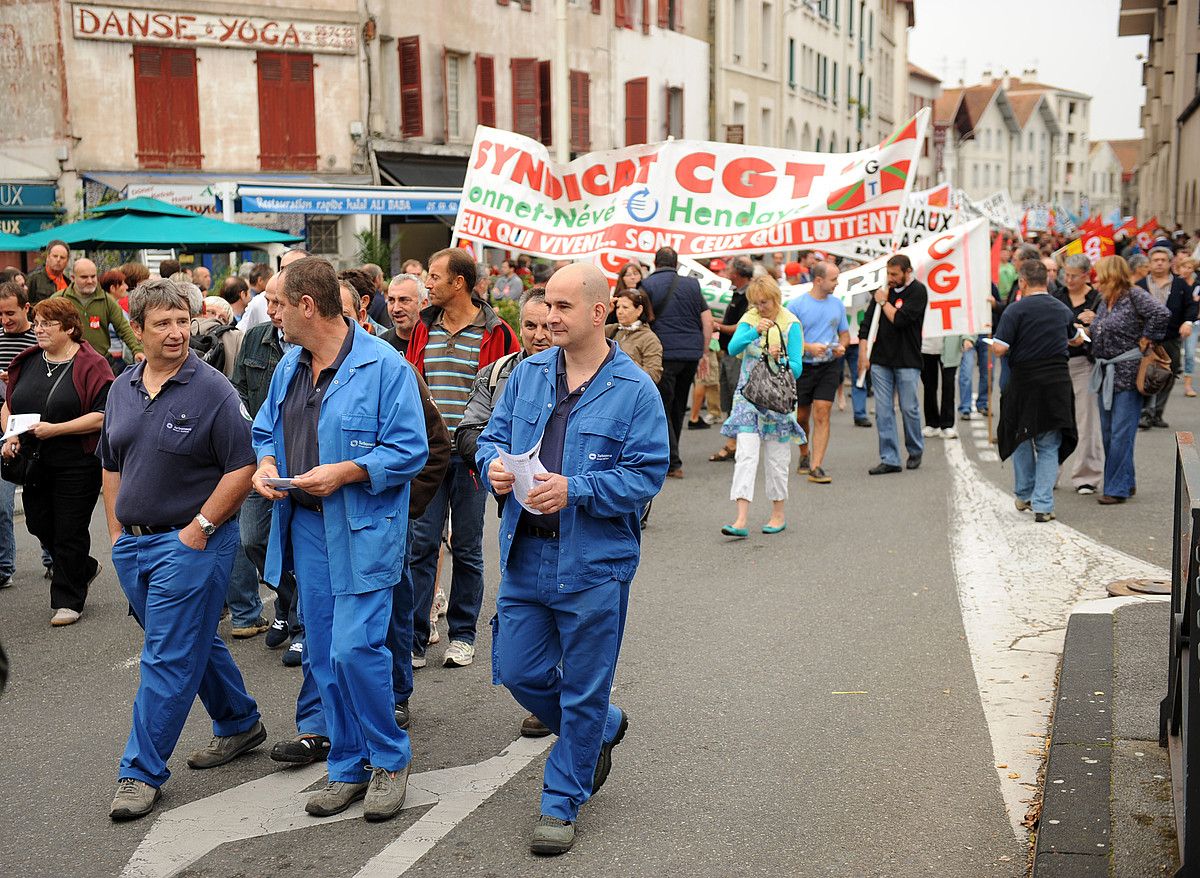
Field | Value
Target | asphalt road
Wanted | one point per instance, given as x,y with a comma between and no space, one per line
802,704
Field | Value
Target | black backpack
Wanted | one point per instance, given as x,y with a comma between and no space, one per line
209,346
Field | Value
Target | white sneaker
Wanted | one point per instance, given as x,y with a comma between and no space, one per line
929,432
1085,489
440,604
64,616
419,661
434,636
949,433
459,654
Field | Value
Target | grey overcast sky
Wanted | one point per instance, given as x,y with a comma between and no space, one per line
1072,43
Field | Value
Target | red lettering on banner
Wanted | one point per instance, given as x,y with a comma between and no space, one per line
591,180
528,171
934,250
942,278
748,177
944,307
482,155
685,172
802,177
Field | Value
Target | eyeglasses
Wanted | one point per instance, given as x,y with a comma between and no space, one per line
44,324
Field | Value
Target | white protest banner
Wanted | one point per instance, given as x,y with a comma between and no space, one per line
696,197
924,213
955,268
997,207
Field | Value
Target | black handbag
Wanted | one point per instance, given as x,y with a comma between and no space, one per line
22,468
770,384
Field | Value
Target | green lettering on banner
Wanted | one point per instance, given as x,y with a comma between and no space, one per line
521,210
703,215
677,208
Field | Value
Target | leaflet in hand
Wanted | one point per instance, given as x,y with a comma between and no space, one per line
278,484
523,468
18,424
1079,333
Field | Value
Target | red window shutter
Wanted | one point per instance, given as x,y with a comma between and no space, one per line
635,111
620,16
301,117
664,13
526,116
272,110
581,136
168,109
412,112
645,16
502,2
545,119
485,90
595,7
149,89
678,23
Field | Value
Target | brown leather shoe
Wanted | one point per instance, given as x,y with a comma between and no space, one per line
675,473
1106,500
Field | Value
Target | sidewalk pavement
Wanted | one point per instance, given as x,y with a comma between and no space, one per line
1107,808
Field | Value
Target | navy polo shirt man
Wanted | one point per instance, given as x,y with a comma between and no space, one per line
172,420
684,324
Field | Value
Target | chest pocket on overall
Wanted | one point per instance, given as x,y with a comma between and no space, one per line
525,419
178,433
358,435
601,440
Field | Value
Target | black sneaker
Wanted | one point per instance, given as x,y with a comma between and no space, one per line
604,763
804,467
863,422
913,462
277,634
883,469
402,715
1160,423
1043,516
700,424
301,750
294,654
6,582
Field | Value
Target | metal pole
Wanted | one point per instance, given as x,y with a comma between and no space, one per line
560,76
228,194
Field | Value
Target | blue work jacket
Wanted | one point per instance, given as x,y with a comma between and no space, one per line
615,457
371,414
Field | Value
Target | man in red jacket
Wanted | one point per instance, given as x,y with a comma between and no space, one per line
456,336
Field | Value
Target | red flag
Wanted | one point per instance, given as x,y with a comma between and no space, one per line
1024,224
997,246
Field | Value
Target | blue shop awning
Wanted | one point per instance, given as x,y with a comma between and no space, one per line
334,200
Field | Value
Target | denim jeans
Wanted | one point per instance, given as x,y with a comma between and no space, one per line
1035,469
977,355
245,603
1118,430
858,395
1189,354
8,542
888,383
462,499
400,631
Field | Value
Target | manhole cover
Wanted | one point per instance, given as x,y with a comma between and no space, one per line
1139,587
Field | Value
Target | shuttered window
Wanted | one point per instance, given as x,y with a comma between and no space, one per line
635,111
526,115
670,14
412,111
620,13
544,86
485,90
168,109
675,112
287,121
581,135
595,7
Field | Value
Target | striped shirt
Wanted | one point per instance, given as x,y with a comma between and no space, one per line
10,346
451,363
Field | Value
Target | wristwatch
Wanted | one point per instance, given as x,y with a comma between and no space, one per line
206,526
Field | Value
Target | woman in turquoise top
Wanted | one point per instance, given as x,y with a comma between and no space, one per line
765,325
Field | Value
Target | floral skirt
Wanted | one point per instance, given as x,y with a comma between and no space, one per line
771,426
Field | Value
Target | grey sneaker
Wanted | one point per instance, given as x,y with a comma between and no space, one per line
223,749
1022,505
258,626
385,794
134,799
459,654
552,836
335,798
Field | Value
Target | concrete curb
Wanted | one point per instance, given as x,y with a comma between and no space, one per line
1073,831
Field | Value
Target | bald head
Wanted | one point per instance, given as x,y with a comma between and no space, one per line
585,279
85,279
291,256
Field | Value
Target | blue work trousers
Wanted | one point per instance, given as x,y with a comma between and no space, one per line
858,395
176,594
1118,431
344,645
1035,470
463,499
556,652
888,383
400,632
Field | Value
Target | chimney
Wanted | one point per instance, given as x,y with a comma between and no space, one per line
1030,73
987,74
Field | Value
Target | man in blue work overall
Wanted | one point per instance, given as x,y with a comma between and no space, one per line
174,421
566,566
343,421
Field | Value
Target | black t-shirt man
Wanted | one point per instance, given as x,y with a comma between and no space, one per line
898,341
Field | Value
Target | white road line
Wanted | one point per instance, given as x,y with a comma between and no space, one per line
275,803
981,443
989,456
1017,584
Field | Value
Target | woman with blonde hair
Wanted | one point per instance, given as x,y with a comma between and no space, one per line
1128,320
766,330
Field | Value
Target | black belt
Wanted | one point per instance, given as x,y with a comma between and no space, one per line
146,530
540,532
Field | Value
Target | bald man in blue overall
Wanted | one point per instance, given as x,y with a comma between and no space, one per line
567,560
